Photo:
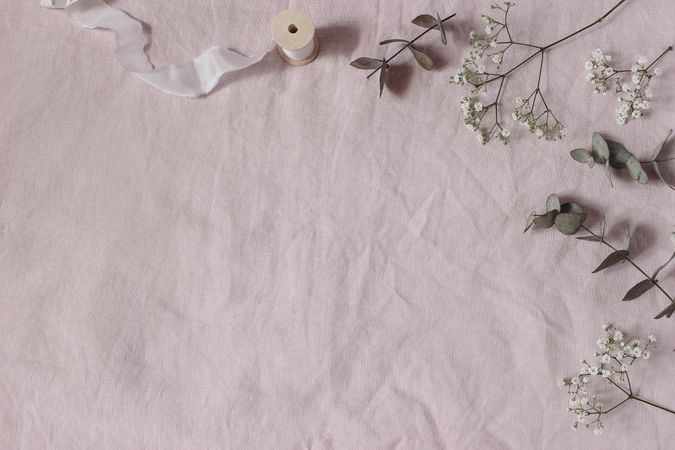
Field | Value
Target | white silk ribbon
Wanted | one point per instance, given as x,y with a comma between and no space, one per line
189,79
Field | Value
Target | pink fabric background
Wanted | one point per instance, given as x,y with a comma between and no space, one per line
291,262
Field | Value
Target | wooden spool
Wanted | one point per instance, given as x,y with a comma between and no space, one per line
295,36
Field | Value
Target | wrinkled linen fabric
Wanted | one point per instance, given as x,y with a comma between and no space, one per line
291,262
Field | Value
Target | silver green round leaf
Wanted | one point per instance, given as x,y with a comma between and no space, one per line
600,150
552,203
581,155
569,223
547,220
636,171
618,154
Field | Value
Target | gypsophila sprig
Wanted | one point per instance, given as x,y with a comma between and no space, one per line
615,356
481,69
613,154
569,218
634,93
382,65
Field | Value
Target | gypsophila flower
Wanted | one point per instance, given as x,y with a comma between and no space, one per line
634,97
582,403
478,71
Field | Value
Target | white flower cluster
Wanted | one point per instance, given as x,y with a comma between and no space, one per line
474,72
599,71
473,115
634,96
539,126
615,354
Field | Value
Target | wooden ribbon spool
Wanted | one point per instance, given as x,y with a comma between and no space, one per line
295,36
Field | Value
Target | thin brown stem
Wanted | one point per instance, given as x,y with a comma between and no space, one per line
656,283
411,43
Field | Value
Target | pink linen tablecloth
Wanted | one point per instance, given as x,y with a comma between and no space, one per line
291,262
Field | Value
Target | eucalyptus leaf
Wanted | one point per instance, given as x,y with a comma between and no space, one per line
383,75
553,203
569,223
422,58
639,289
425,20
618,154
600,150
603,223
636,171
571,208
613,258
366,63
590,238
609,174
391,41
547,220
627,239
655,166
580,155
667,312
530,221
663,267
657,150
444,38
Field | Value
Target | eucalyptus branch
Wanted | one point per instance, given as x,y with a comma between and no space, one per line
614,155
539,119
568,218
382,65
615,354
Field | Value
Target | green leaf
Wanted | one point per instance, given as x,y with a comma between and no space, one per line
639,289
530,221
609,174
444,38
636,171
425,21
596,238
383,75
618,154
422,58
655,166
391,41
569,223
627,239
600,150
546,220
553,203
590,238
657,150
613,258
663,267
580,155
667,312
366,63
571,208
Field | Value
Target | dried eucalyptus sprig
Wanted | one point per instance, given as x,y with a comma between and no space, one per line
612,154
634,97
569,218
382,65
533,112
615,355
